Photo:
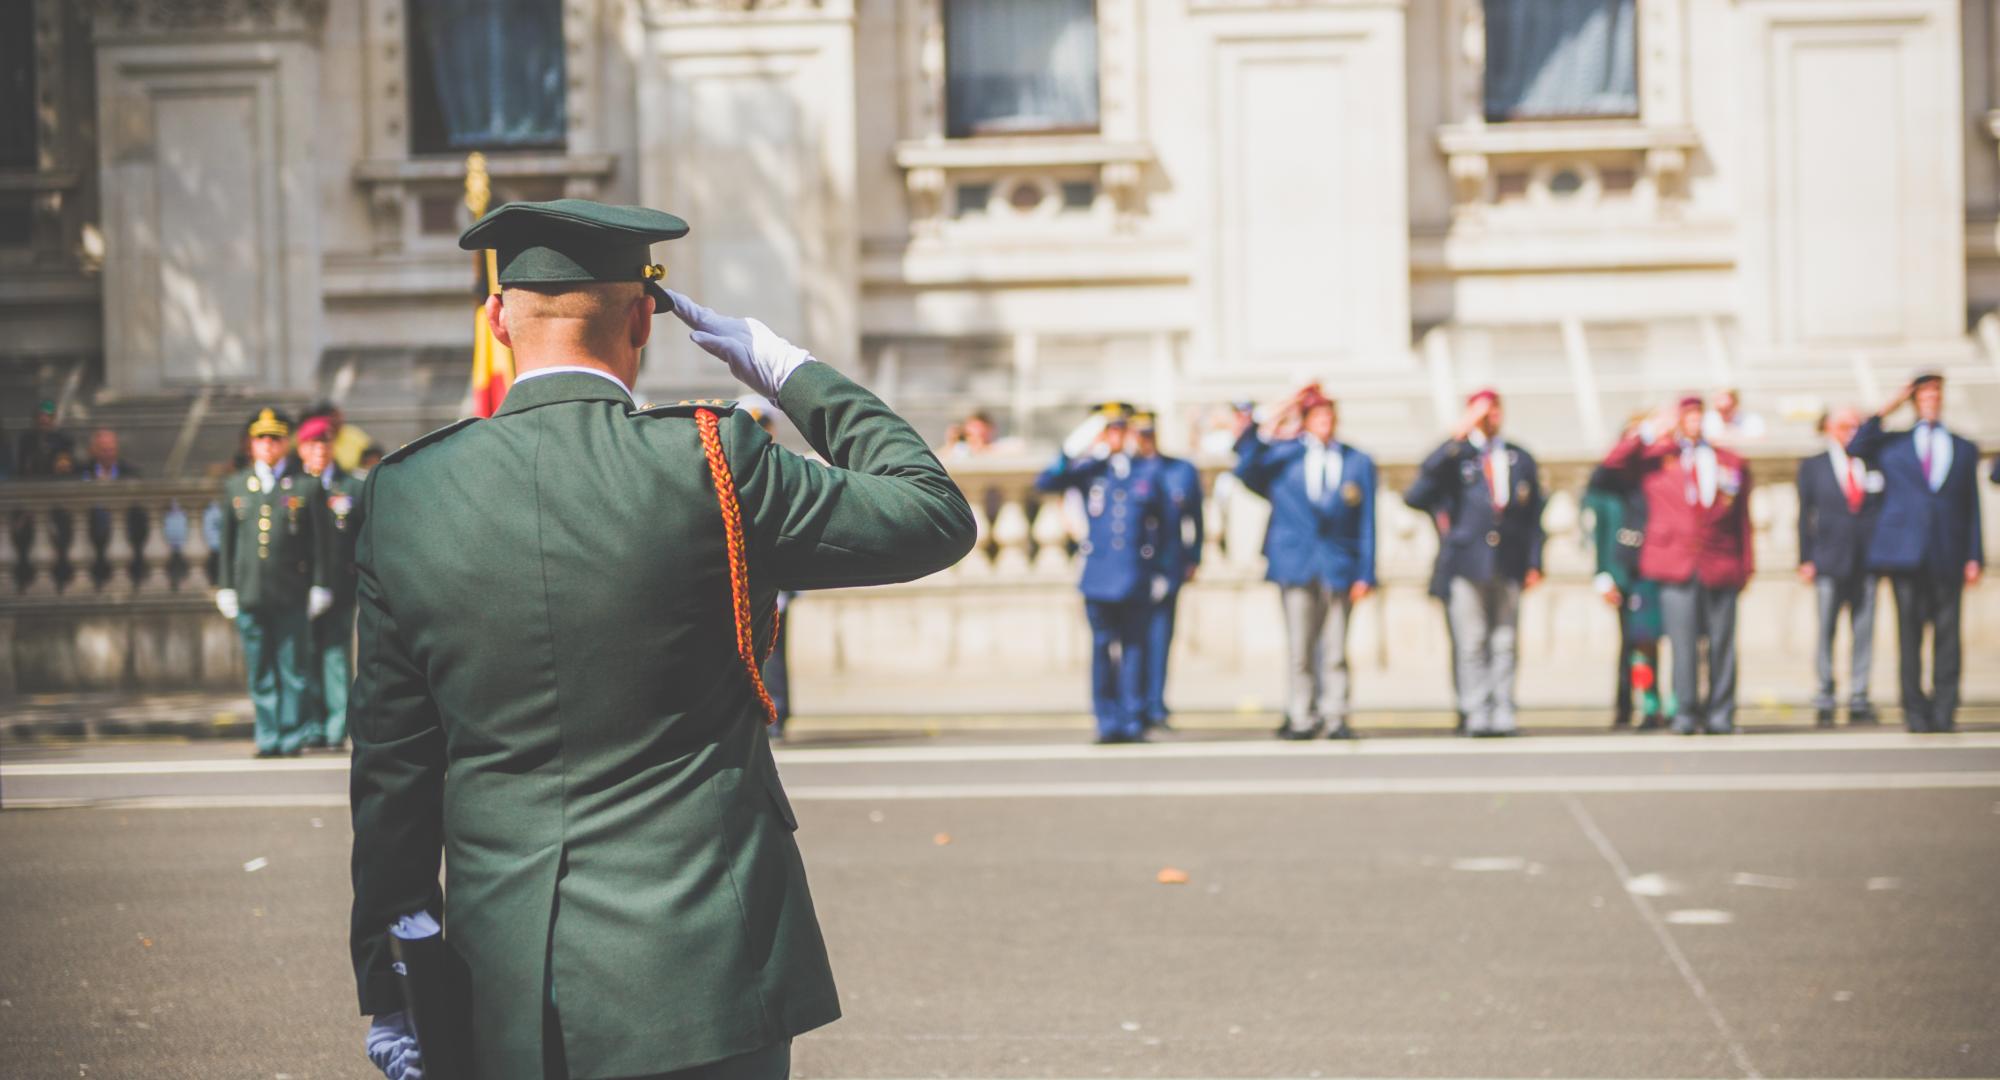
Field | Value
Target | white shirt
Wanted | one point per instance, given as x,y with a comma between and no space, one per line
1323,467
1934,440
266,475
1846,470
1496,454
575,369
1701,457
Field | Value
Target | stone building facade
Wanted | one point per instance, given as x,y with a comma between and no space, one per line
1023,205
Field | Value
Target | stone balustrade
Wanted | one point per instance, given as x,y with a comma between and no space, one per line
109,586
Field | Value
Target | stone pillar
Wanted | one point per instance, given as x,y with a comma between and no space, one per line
1852,208
211,264
746,128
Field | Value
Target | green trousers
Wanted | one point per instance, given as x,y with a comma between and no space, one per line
770,1063
331,669
275,644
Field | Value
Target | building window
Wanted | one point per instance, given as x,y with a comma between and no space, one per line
17,84
1560,59
486,75
1015,66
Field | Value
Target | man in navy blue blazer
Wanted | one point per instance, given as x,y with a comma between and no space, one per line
1840,499
1180,556
1121,569
1927,541
1319,550
1488,493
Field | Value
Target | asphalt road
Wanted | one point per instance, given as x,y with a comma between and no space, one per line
1815,905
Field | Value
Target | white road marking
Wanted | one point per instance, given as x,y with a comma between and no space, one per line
1700,917
1617,863
256,864
1763,881
892,755
1884,884
1490,864
1652,885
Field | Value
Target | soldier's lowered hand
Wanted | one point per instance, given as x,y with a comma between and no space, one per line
318,600
225,602
392,1046
759,358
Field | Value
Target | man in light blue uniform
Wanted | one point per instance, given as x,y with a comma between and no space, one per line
1320,551
1180,557
1121,563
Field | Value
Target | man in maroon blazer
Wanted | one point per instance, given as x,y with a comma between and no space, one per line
1697,547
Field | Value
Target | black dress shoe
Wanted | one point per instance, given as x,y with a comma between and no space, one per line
1823,718
1292,734
1342,732
267,753
1653,723
1862,714
1622,720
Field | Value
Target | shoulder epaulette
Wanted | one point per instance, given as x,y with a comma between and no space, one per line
687,407
422,441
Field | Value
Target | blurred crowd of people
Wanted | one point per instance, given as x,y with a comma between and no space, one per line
1669,506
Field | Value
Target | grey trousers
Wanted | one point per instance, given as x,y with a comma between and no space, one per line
1693,612
1484,617
1857,595
1316,651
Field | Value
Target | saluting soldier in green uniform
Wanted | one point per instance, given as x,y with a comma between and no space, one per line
561,613
329,662
271,578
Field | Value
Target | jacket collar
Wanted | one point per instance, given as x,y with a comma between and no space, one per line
560,387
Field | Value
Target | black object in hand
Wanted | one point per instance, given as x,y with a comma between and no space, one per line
437,989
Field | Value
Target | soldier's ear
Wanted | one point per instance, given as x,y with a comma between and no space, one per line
496,320
639,321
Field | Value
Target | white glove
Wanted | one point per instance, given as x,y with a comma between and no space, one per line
1086,433
1159,588
317,601
225,602
760,359
392,1046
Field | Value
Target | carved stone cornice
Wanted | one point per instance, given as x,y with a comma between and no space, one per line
172,16
749,12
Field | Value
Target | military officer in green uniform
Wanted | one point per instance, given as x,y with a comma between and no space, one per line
271,579
329,661
561,613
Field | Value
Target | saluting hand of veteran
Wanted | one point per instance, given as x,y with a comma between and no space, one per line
759,358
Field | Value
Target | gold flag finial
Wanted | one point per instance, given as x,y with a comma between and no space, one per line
478,187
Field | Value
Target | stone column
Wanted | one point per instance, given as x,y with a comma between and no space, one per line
212,256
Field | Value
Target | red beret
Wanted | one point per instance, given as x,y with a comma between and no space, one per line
1485,392
1692,401
1313,398
319,427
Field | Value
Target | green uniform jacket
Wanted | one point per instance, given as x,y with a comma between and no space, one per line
341,500
272,540
549,693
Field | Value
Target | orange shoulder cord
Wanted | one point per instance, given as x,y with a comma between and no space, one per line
739,560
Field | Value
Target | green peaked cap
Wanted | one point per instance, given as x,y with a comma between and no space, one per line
574,241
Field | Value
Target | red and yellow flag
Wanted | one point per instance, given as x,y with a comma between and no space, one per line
492,362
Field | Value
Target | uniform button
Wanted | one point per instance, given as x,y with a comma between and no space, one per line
1118,545
264,525
1493,539
265,509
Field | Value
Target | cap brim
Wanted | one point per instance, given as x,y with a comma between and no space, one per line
661,302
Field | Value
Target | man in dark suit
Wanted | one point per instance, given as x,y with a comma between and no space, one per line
562,612
1839,501
1180,556
1319,550
1698,547
1927,541
1491,494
